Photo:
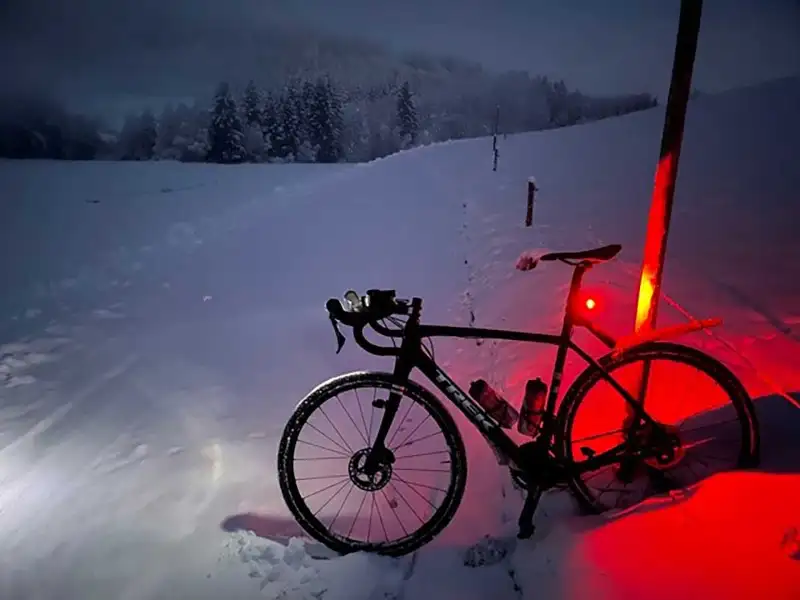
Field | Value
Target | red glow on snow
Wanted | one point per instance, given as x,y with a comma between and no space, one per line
730,537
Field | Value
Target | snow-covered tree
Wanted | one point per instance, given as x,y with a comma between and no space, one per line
225,132
326,122
253,117
169,126
254,143
138,138
270,124
306,130
252,105
148,135
287,135
407,124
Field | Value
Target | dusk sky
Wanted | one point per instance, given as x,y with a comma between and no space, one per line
605,46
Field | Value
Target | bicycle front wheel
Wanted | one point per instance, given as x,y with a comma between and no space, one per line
698,400
416,489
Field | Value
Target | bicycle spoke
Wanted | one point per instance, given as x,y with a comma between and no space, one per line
600,471
338,512
687,463
394,510
351,419
699,427
380,518
423,485
321,477
372,413
327,487
336,429
422,470
355,519
693,456
367,431
316,512
299,441
425,437
618,490
371,509
408,504
330,439
400,424
597,436
413,431
416,492
423,454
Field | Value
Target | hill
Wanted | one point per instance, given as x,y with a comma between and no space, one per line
148,374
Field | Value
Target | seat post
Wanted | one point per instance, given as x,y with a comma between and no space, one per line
575,285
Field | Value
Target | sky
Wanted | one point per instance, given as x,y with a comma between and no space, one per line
150,47
600,45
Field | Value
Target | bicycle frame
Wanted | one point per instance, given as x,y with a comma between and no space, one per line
411,356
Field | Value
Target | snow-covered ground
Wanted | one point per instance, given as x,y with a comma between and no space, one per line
160,322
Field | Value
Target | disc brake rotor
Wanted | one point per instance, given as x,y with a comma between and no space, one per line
369,482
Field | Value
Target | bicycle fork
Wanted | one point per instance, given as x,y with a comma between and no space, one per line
379,453
403,366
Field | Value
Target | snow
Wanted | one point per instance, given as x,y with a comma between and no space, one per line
154,343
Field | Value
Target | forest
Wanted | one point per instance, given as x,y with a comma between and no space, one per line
310,117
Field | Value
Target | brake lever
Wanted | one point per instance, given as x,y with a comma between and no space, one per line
340,339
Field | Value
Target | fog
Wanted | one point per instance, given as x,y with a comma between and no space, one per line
97,51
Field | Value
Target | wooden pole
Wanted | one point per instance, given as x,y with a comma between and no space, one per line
655,246
531,197
495,152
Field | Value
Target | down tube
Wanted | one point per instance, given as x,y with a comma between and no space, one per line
471,409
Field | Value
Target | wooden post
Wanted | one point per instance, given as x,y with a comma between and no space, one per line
531,197
495,152
655,246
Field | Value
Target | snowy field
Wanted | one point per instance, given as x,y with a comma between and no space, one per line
160,322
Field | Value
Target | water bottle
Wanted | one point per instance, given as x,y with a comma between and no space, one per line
497,408
533,406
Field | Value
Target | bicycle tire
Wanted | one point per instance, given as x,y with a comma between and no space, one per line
749,455
415,392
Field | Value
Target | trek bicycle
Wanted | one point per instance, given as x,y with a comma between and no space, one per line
383,460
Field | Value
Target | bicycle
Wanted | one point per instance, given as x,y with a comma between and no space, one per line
545,462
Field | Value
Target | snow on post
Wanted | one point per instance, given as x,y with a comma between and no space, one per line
531,197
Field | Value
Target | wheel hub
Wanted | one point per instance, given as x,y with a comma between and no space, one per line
374,479
668,449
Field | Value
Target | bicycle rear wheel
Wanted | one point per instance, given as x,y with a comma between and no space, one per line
725,422
407,502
